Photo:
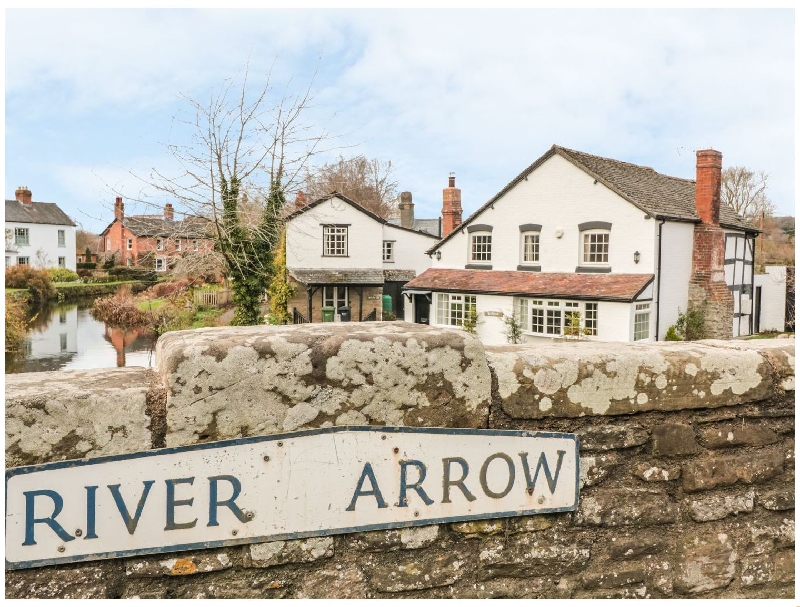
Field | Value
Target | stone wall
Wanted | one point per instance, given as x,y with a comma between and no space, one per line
687,460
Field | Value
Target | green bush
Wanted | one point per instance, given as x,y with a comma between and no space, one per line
691,326
672,334
86,265
133,273
109,263
38,282
63,275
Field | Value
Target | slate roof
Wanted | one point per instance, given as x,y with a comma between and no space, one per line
159,227
605,287
661,196
354,204
36,212
322,276
431,226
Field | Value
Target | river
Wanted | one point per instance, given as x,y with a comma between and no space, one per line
66,336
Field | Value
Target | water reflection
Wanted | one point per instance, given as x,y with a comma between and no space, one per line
66,336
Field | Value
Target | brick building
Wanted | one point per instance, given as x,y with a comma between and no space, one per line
154,240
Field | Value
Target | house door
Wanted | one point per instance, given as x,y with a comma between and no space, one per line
757,312
422,308
335,295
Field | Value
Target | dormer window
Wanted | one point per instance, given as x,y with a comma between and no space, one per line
480,246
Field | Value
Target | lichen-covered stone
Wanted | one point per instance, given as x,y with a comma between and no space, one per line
242,381
409,572
419,537
179,564
607,437
625,547
719,506
779,354
619,507
737,435
777,499
75,414
536,381
103,580
616,578
769,535
270,554
706,561
714,472
654,473
532,555
674,439
594,468
526,524
756,570
338,582
479,528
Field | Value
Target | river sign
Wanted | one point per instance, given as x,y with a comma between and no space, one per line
286,486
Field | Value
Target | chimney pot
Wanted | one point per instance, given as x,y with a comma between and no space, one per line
169,212
23,194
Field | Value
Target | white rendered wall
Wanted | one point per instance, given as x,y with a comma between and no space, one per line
677,243
773,297
409,249
44,238
558,195
304,238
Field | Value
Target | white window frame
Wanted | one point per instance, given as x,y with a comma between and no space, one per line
641,321
549,317
62,238
159,244
161,261
451,308
22,237
62,262
108,244
129,262
388,251
332,296
23,261
129,244
534,248
586,247
177,244
195,245
480,247
334,240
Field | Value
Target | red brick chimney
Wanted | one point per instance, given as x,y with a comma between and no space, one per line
119,209
169,212
707,287
23,194
300,200
451,206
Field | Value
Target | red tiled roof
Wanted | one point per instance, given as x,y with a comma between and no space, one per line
613,287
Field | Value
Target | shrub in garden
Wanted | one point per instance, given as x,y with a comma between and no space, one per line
63,275
16,324
38,282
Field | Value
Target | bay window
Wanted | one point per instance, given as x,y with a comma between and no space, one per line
451,309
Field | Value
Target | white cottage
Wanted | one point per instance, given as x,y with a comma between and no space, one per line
38,233
616,246
339,255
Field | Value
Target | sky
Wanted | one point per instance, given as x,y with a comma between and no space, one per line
95,96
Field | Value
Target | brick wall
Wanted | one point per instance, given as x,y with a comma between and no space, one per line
687,460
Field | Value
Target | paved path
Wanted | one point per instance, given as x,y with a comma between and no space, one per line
227,316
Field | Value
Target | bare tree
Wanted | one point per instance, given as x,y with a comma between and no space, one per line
745,191
367,181
245,140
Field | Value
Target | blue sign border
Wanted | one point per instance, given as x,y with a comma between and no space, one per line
12,472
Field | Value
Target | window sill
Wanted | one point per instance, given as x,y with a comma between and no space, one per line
334,255
593,269
529,268
478,266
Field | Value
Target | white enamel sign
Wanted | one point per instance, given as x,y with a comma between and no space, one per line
311,483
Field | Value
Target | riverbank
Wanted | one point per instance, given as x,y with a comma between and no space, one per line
74,291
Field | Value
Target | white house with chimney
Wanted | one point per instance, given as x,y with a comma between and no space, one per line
340,255
38,234
614,249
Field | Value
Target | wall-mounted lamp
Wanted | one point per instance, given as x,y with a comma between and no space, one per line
438,255
636,257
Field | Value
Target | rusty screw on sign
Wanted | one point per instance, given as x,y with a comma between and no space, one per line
416,512
250,516
61,549
78,532
280,443
383,437
234,532
266,458
396,449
